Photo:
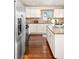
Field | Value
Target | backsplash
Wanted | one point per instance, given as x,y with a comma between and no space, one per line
36,21
59,21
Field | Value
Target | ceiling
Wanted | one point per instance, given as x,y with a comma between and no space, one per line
43,2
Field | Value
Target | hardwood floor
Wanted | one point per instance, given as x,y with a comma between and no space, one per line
38,48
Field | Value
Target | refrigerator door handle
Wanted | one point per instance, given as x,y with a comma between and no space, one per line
27,26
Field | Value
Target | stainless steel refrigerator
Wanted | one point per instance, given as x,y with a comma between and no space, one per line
21,30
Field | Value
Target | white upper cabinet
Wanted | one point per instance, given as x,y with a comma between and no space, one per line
58,13
28,12
33,12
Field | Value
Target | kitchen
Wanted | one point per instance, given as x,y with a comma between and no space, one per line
39,23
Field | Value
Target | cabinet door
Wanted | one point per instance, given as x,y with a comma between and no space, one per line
40,28
59,46
32,28
53,43
32,12
44,28
38,13
35,13
28,12
37,28
50,39
59,13
47,32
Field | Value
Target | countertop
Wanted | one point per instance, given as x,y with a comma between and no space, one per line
40,21
56,30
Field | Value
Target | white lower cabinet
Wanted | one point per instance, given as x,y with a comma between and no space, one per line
44,28
56,43
32,28
40,28
37,28
59,46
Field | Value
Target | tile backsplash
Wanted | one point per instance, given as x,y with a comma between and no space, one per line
59,21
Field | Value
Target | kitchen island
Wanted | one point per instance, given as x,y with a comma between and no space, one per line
55,39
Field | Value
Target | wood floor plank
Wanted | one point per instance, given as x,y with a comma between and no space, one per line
38,48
